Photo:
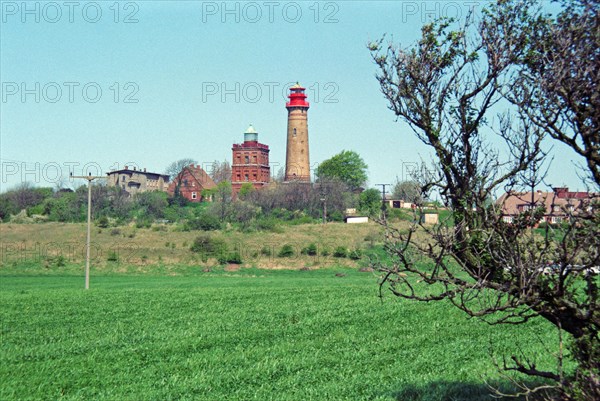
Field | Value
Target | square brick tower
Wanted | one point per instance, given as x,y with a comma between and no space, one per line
250,162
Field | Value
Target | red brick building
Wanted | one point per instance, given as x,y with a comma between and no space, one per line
250,162
191,181
559,203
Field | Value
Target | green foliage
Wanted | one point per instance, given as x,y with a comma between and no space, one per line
408,191
310,250
347,166
246,189
340,252
208,246
266,251
369,202
102,222
112,256
205,221
286,251
355,254
231,257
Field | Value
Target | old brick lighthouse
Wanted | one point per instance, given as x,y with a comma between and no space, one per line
297,165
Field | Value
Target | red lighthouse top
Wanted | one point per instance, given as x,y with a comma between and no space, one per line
297,97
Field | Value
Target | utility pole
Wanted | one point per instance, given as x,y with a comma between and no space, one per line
324,200
89,178
383,202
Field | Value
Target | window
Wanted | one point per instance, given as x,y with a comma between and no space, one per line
294,132
122,178
246,177
194,195
185,183
247,159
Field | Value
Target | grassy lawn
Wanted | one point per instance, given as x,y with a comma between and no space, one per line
253,334
163,245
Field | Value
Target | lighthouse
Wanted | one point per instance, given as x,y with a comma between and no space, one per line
297,166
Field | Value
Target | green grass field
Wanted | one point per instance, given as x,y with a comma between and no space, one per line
247,335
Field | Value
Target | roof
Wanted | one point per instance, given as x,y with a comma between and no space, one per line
513,202
251,130
127,170
195,173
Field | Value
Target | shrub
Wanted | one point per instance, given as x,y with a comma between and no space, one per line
143,223
325,252
311,250
208,246
340,252
102,222
231,257
355,254
205,221
115,232
113,257
266,251
286,251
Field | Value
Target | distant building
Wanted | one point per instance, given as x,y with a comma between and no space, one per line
134,181
558,204
190,183
250,162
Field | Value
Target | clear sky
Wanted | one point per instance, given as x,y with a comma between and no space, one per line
104,84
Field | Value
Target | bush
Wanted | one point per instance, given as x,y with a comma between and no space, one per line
143,223
115,232
311,250
231,257
102,222
113,257
355,254
208,246
286,251
205,222
340,252
266,251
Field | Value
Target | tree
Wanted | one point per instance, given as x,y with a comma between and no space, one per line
173,170
558,86
220,171
176,167
445,88
347,166
408,191
222,196
246,189
369,201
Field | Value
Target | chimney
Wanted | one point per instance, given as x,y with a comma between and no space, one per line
144,169
134,168
126,167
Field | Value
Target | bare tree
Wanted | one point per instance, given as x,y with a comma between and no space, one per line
220,171
445,87
177,167
558,88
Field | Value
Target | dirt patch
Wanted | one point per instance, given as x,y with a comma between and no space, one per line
231,267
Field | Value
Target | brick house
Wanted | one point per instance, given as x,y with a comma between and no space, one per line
191,181
134,181
250,162
558,204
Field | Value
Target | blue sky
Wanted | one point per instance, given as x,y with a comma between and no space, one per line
185,79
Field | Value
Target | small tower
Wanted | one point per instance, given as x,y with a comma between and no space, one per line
297,164
250,162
